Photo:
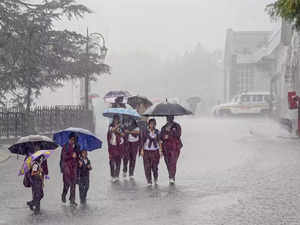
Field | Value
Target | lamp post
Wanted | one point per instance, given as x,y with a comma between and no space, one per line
103,52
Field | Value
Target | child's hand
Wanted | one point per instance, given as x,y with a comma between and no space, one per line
74,155
80,163
89,167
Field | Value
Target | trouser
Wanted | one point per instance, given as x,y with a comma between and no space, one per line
171,158
151,161
84,184
115,165
72,187
130,157
115,158
37,192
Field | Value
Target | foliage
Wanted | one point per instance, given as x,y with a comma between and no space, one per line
34,55
286,9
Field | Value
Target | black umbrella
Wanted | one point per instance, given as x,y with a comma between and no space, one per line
111,96
137,100
167,109
26,145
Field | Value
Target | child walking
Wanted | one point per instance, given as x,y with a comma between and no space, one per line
115,140
37,184
151,152
84,176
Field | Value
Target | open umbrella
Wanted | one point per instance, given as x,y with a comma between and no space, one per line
86,139
28,162
121,111
137,100
26,145
111,96
167,109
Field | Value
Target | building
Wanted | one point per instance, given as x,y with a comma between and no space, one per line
264,61
242,72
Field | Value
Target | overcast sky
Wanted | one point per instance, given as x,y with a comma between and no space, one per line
171,27
165,28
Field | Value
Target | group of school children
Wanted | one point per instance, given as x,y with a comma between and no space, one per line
125,142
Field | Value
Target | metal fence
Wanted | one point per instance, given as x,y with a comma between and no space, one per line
17,122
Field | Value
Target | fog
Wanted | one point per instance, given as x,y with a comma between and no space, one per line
158,42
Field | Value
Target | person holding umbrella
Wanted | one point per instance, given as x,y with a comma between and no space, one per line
76,142
69,164
37,183
151,152
115,140
30,146
170,133
171,143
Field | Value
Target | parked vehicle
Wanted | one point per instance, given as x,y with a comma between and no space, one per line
252,103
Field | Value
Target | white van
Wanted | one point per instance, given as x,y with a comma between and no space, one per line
245,103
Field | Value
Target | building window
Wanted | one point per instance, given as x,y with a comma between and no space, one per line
246,79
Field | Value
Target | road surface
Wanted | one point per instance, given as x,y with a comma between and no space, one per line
233,172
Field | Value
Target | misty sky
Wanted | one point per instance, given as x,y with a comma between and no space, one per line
163,28
171,27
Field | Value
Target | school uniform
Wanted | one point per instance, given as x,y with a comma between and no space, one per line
69,168
84,178
37,183
151,154
132,145
115,149
171,145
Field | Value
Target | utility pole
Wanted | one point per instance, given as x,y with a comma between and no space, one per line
102,54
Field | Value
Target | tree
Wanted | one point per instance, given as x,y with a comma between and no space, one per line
34,55
286,9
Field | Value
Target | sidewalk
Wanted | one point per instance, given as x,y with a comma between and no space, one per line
4,153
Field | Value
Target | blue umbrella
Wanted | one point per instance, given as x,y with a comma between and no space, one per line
121,111
86,139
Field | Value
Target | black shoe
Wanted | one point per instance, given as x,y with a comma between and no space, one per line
36,211
83,202
63,199
73,204
30,204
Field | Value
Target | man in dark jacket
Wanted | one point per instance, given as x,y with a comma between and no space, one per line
69,168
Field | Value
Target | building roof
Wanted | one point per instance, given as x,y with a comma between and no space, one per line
248,42
251,46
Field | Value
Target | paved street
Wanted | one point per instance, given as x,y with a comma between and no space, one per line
231,172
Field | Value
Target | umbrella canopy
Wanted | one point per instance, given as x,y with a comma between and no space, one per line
26,145
167,109
111,96
137,100
86,139
121,111
28,162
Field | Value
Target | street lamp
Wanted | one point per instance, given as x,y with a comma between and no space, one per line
100,43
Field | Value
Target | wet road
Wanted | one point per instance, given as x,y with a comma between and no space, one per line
231,172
